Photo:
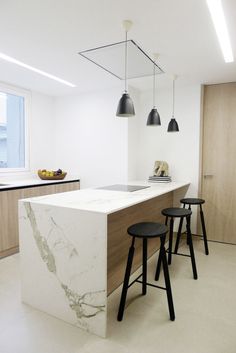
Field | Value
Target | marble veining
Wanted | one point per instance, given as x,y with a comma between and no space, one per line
85,305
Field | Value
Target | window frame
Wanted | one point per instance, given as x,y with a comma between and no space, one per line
8,89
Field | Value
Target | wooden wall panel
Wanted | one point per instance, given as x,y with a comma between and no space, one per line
218,162
119,241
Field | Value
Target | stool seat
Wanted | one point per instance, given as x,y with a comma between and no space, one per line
176,212
192,201
147,229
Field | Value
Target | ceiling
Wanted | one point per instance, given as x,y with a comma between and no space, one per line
48,34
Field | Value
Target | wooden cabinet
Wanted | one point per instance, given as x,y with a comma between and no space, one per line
9,237
8,220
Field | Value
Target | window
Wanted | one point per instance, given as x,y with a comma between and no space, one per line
13,137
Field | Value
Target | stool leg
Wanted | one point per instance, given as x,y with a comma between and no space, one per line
204,231
170,240
158,269
126,281
178,235
189,207
144,284
190,242
167,280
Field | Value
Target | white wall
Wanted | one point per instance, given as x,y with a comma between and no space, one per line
133,136
91,141
82,135
180,150
41,132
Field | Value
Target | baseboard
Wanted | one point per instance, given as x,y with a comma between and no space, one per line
9,252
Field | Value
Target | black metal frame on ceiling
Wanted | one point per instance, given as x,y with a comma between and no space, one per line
82,53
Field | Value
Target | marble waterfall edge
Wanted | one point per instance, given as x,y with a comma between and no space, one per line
64,263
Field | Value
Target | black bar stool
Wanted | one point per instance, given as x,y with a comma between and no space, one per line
146,230
177,212
190,202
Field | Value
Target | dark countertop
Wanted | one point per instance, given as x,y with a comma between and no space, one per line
30,182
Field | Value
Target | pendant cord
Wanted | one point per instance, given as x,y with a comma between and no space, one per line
154,84
126,62
173,109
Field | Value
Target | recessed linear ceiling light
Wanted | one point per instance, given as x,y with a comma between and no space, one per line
218,18
40,72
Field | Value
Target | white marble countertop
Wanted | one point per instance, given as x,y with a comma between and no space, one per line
106,201
7,183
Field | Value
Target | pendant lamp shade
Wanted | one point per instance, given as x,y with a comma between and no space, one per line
173,126
125,107
153,118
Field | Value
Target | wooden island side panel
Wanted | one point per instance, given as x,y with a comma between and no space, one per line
119,241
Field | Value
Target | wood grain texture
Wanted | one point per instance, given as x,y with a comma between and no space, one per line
9,233
9,219
9,252
119,241
218,182
67,187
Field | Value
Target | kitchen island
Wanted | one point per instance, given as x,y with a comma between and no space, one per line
74,247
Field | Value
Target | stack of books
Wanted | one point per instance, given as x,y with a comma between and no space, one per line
159,179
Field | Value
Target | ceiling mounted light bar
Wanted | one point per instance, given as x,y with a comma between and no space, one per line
218,18
34,69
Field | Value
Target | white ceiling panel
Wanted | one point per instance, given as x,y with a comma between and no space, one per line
48,34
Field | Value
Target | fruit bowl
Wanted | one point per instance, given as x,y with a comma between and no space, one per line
44,176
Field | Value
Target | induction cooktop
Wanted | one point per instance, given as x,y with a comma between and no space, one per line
120,187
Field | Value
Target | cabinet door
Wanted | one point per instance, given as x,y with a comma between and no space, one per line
9,219
38,191
50,189
9,234
67,187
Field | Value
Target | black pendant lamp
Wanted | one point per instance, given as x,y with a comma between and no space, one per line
154,117
173,125
125,107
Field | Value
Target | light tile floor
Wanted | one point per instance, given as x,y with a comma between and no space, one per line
205,313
